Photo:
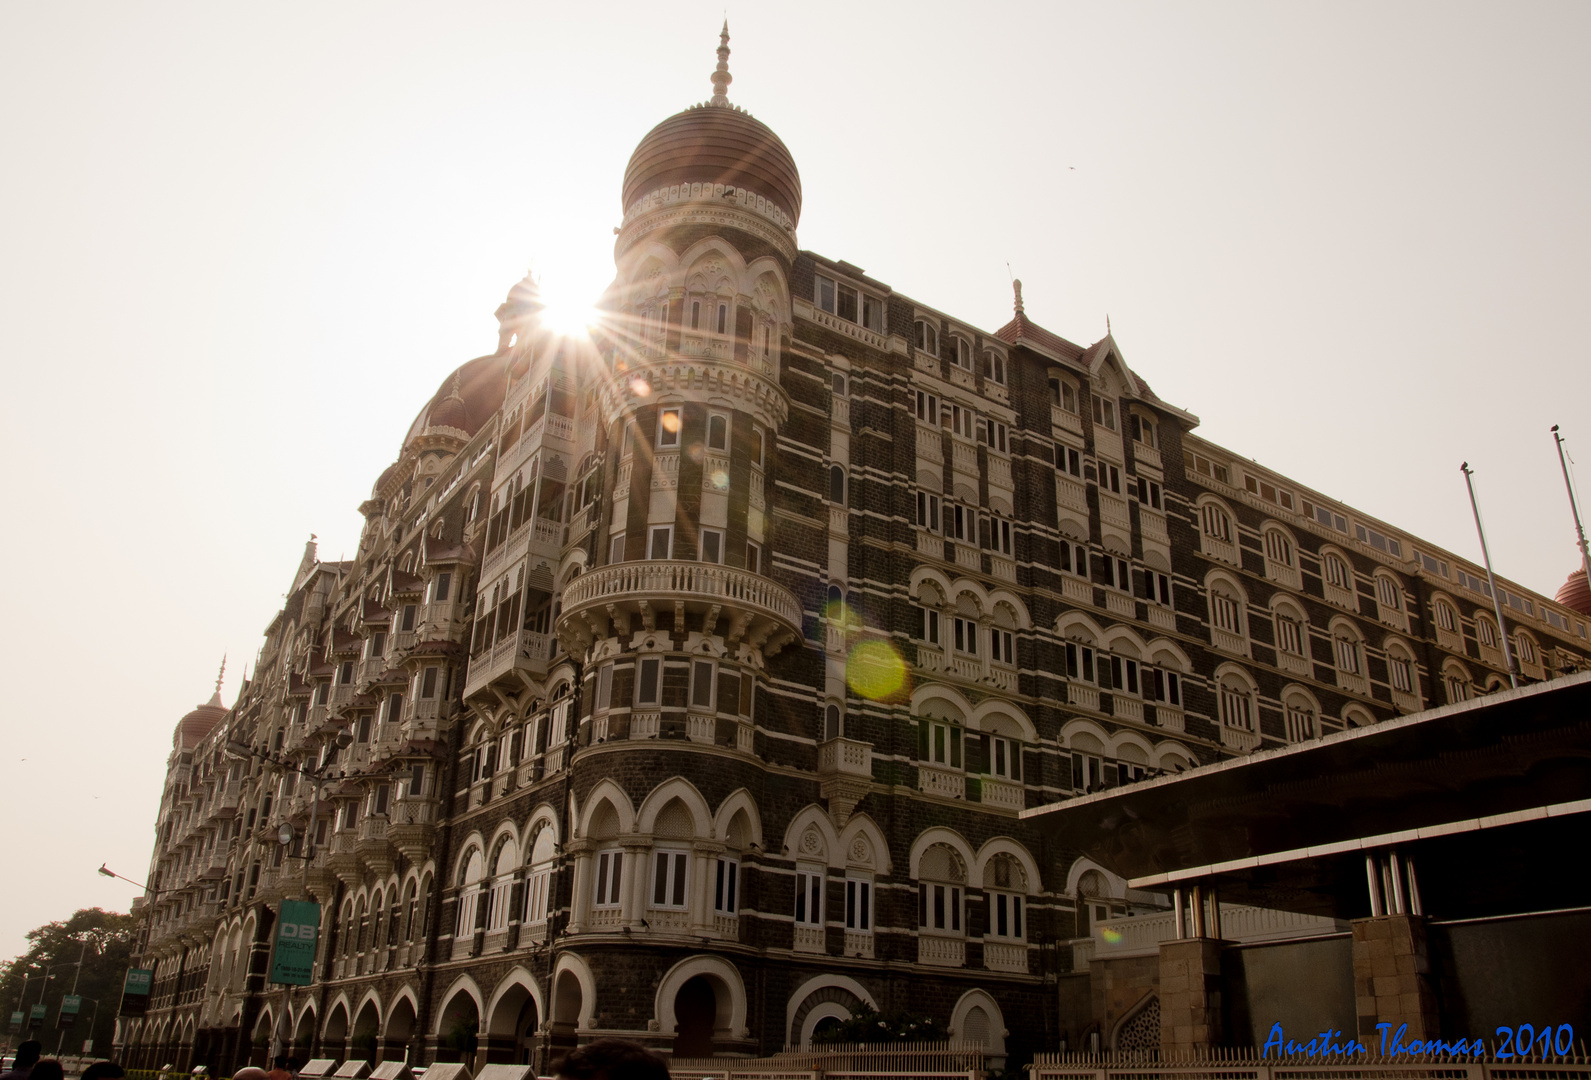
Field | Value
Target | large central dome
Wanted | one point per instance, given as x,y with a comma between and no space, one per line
715,143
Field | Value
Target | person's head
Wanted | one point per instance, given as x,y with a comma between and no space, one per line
610,1059
49,1069
27,1055
103,1070
249,1072
280,1062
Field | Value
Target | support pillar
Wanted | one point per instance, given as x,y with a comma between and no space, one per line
1392,978
1190,992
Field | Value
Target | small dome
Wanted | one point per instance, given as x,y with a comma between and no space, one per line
465,401
715,143
1574,594
199,723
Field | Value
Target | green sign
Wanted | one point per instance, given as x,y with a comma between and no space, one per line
293,961
16,1018
135,992
70,1004
37,1012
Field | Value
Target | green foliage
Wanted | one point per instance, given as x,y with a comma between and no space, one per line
104,941
869,1026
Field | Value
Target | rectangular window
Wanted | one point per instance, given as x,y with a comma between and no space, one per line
536,896
1002,647
1149,493
604,698
1166,686
1143,430
669,871
662,541
703,676
858,904
1213,469
717,432
1002,757
928,511
712,545
1069,461
1110,477
927,408
809,898
966,636
1118,574
1379,541
668,425
1005,916
610,872
1104,412
994,435
1325,517
939,907
1158,586
616,548
939,743
1124,675
1080,662
646,681
756,446
726,886
753,558
441,587
928,626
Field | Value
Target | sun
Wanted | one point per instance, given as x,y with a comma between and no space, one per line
567,312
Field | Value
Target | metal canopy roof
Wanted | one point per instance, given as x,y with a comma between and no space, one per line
1488,797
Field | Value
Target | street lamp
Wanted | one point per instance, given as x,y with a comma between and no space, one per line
238,751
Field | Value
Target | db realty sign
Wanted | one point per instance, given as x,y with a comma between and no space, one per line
293,960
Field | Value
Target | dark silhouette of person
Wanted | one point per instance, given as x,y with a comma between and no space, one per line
27,1057
48,1069
611,1059
103,1070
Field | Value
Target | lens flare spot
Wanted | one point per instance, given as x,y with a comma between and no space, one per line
875,670
670,420
640,388
720,480
1112,937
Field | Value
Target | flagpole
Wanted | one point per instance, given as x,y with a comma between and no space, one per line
1491,579
1579,530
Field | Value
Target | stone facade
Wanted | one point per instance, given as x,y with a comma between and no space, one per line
693,677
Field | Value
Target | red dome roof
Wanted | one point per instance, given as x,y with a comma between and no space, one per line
1574,593
466,400
199,723
715,144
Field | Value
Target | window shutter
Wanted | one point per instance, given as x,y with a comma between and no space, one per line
922,740
977,753
955,748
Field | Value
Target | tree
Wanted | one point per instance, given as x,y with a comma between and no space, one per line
103,940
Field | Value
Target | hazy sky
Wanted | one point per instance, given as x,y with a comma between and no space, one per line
243,244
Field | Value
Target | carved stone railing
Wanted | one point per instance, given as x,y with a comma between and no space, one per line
1005,956
1066,421
1152,524
811,939
1239,739
1077,590
937,780
1082,695
1002,793
859,943
1071,493
1162,617
941,951
930,443
1170,717
1126,708
1119,603
1282,573
1144,454
733,595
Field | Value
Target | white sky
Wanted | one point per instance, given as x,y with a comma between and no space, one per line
241,247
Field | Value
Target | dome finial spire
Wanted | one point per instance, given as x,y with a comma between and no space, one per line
1016,287
721,76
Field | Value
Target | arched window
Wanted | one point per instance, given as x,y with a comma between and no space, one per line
839,384
1215,522
1486,631
1292,632
942,879
1387,593
1301,716
469,893
994,367
1007,885
927,337
1400,668
1278,547
1526,649
964,354
1456,681
837,485
1226,615
1336,571
1236,703
1446,617
538,885
717,432
833,723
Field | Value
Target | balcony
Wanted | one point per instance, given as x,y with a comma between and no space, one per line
1119,603
1216,548
859,944
370,670
1152,525
938,780
342,694
1405,701
1451,640
846,757
930,443
1394,617
1004,956
422,717
1345,598
1126,708
1003,793
738,604
839,521
1083,696
1283,574
964,455
841,416
1228,642
1144,454
522,654
1002,567
1062,420
1170,717
1071,493
941,951
1113,510
968,555
560,427
1160,617
1077,590
1354,682
1240,739
812,939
